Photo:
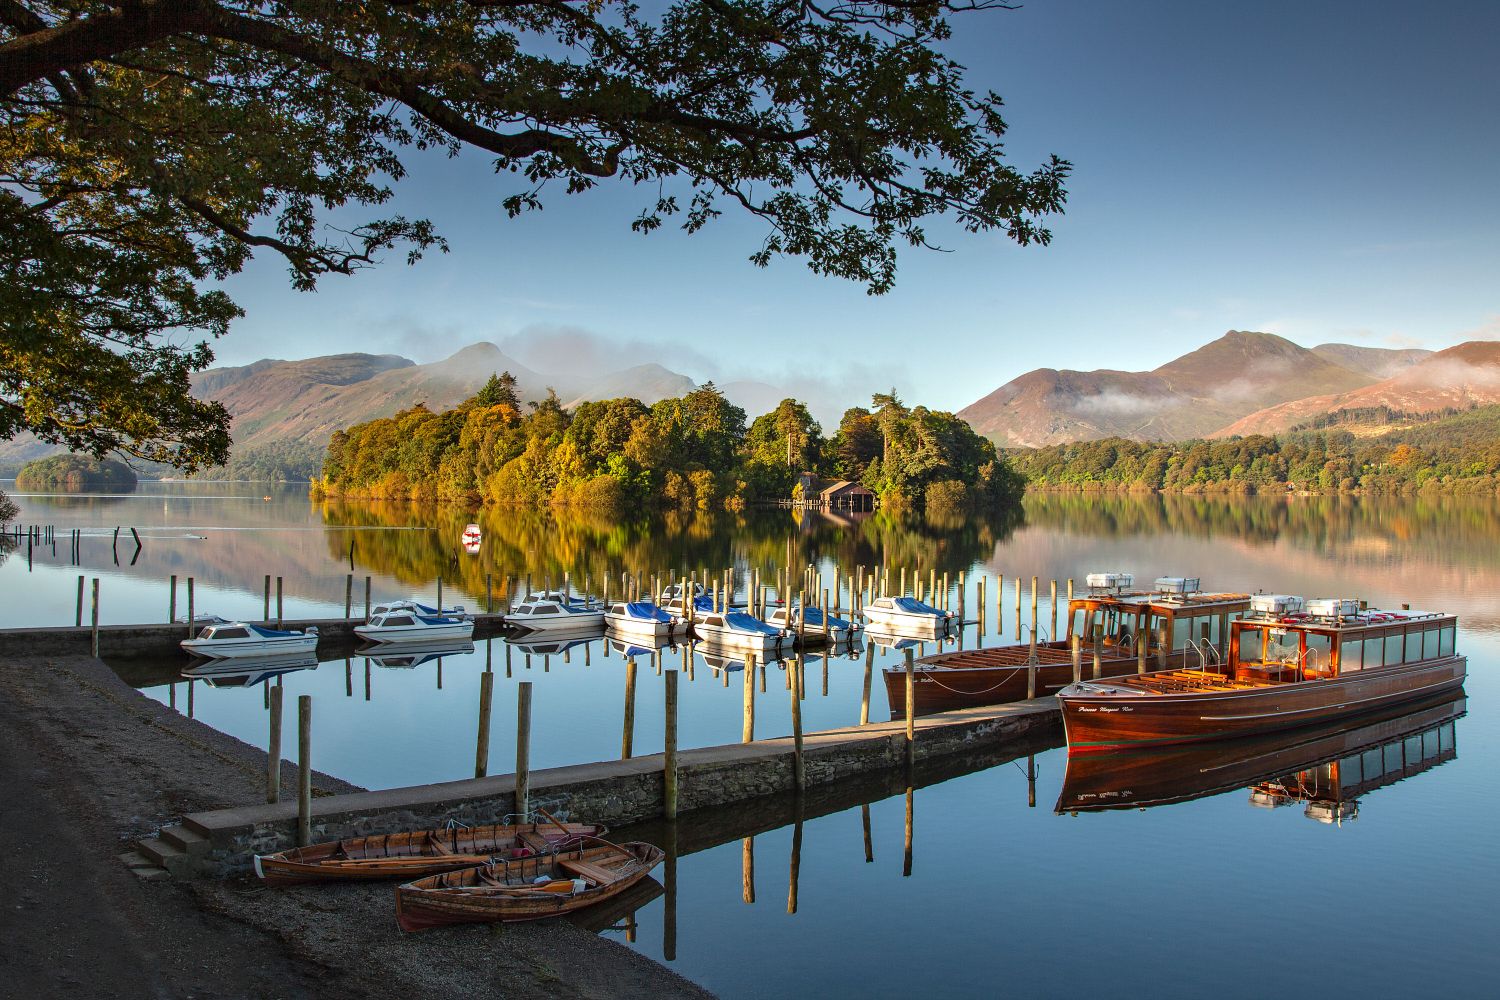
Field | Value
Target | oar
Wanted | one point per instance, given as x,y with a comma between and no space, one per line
555,821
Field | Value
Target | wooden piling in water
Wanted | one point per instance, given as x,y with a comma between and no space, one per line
1142,644
280,616
1053,634
304,770
172,601
911,704
1018,609
94,620
669,749
267,616
799,766
1077,658
747,733
348,596
627,739
273,748
367,598
190,607
523,750
1098,652
79,622
864,698
482,743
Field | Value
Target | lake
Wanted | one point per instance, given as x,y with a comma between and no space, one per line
1372,876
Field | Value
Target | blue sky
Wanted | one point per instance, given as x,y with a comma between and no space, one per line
1322,171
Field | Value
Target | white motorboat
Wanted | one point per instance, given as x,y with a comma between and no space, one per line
839,629
408,656
907,615
738,629
555,611
416,608
228,640
671,600
248,671
408,626
644,618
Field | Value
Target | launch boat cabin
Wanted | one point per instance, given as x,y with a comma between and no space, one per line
1290,664
1173,624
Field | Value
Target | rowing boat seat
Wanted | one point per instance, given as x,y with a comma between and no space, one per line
589,871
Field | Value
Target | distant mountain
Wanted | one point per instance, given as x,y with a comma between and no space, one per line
1377,362
1458,378
649,383
1191,396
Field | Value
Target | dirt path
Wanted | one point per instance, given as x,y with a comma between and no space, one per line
88,764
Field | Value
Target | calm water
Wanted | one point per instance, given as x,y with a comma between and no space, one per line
1212,894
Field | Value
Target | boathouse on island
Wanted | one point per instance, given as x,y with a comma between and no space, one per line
844,495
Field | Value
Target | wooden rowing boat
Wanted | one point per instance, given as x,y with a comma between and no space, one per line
533,888
1285,671
416,853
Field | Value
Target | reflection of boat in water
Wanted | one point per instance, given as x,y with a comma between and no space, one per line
1327,767
412,655
718,656
471,539
554,642
1195,624
1287,668
890,642
607,915
248,671
640,645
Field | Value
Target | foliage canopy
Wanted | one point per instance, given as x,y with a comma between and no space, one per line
149,148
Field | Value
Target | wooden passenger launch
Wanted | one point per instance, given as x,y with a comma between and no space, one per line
1128,623
1286,668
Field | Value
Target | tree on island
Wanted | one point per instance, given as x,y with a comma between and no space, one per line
150,148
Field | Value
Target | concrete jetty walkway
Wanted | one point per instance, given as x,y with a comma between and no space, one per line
614,792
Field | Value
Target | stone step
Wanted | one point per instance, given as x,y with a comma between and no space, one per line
188,841
164,855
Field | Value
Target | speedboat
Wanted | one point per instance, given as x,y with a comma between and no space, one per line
738,629
839,629
555,611
408,626
416,608
410,656
238,639
248,671
639,618
906,615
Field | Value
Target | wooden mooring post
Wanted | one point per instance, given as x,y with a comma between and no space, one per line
482,744
747,734
799,766
911,705
280,616
273,747
79,622
267,616
304,770
1077,658
94,621
191,610
669,749
172,601
627,739
864,699
523,750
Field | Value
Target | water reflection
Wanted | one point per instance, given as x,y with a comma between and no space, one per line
247,671
1326,768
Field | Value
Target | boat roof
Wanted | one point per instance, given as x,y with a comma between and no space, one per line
1165,603
1368,618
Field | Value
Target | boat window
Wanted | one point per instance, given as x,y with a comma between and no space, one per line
545,609
399,620
1252,645
1349,656
883,602
1393,649
231,633
1430,642
1319,650
1445,640
1283,646
1374,652
522,611
1445,736
1414,645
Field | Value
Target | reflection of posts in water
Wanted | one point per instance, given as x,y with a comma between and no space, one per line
864,818
762,678
440,673
367,680
669,905
747,869
78,622
669,750
911,799
864,699
1033,605
628,738
349,595
273,749
796,861
1053,634
482,744
190,699
824,658
1031,780
348,677
1018,608
747,734
523,750
172,697
94,621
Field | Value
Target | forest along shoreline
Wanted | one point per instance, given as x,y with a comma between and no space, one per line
93,764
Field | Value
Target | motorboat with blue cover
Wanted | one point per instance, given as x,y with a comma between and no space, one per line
907,614
640,618
839,629
236,639
408,626
738,629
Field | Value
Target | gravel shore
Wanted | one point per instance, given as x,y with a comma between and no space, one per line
88,765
